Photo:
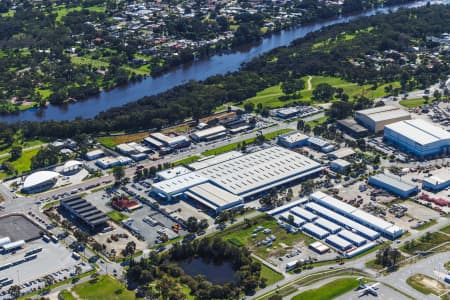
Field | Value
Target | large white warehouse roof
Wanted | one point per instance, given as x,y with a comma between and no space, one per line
382,113
39,178
248,174
420,131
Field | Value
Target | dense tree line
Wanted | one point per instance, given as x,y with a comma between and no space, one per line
248,271
197,99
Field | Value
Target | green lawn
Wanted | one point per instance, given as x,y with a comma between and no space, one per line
446,229
105,288
316,122
83,60
269,97
242,236
423,244
271,275
117,216
22,164
62,11
112,141
427,224
412,103
234,146
66,295
187,160
330,290
23,144
9,13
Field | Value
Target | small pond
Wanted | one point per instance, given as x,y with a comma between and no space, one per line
215,273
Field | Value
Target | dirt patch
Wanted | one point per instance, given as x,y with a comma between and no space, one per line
427,283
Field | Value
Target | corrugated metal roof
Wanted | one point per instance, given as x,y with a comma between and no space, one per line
395,181
420,131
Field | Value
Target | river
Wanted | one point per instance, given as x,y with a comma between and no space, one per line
197,70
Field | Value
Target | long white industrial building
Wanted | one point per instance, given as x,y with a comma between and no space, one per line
387,229
244,176
343,221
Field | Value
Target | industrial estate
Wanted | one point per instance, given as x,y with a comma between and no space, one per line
291,201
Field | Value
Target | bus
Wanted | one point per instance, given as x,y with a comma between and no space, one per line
31,257
7,282
37,250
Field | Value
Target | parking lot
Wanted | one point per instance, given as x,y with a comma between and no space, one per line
54,260
146,222
300,253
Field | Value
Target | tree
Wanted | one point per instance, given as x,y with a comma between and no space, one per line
308,186
130,248
81,236
16,152
192,224
323,92
8,168
118,172
249,107
300,124
45,157
203,224
292,85
77,270
14,291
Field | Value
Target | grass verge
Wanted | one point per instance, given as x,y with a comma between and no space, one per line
117,216
412,103
105,288
186,161
234,146
112,141
330,290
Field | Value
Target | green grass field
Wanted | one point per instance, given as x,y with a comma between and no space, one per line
271,275
66,295
330,290
270,97
421,244
241,236
412,103
187,160
105,288
83,60
427,224
22,164
234,146
316,122
23,144
446,229
62,11
117,216
112,141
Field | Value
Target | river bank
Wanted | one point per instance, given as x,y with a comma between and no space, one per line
197,70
